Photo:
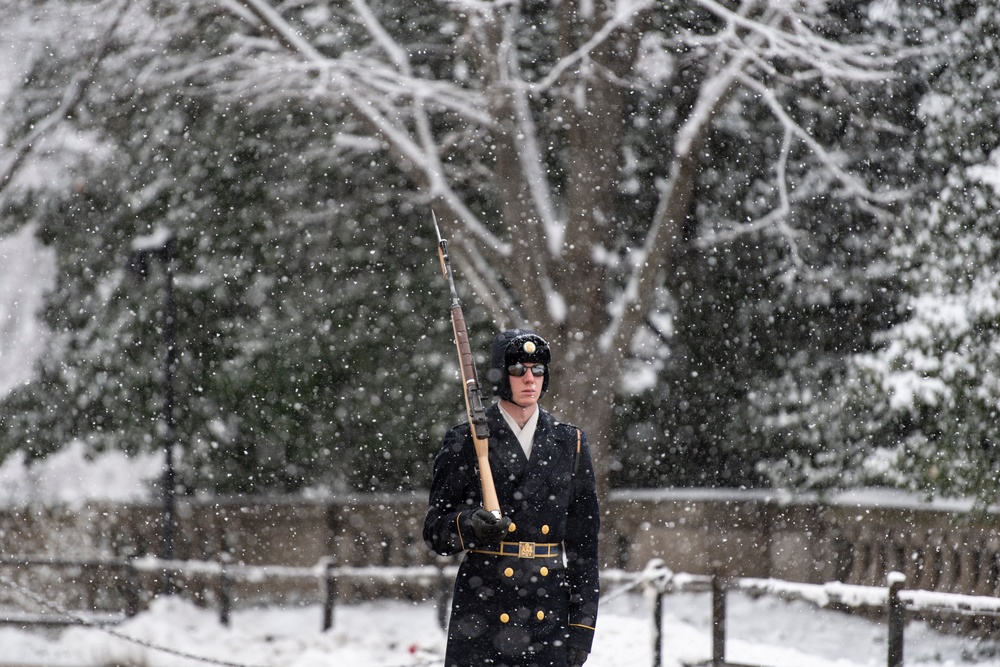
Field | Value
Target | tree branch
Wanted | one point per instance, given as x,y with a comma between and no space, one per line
626,12
72,96
795,40
350,83
675,199
851,182
779,33
530,157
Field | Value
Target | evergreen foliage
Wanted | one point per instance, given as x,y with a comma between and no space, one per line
308,348
920,410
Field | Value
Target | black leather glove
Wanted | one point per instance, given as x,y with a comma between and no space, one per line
576,656
487,527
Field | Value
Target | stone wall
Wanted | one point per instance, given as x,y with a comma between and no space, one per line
856,538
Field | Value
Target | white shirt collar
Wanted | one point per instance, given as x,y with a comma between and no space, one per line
526,435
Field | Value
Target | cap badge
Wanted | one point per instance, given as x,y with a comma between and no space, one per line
529,347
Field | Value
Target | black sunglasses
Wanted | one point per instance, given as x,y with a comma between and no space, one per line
519,369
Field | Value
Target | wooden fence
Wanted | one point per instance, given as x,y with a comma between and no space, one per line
892,601
136,581
857,540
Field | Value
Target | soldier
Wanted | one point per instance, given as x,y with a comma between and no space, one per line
527,590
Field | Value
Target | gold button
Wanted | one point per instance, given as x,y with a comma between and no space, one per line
504,618
509,572
512,527
540,615
545,530
544,571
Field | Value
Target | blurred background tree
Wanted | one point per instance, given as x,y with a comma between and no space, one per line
919,411
705,223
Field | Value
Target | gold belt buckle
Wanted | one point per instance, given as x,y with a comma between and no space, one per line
525,549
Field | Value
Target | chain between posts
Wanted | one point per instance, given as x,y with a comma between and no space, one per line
78,620
655,578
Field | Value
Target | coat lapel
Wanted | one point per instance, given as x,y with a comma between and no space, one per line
544,453
506,456
507,459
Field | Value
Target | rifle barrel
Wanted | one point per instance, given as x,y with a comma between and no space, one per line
473,397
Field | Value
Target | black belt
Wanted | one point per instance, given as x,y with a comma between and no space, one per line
524,550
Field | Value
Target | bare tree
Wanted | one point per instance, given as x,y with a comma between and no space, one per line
551,125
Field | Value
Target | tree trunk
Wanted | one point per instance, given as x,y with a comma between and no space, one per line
591,109
583,393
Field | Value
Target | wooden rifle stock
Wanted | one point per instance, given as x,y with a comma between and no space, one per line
473,397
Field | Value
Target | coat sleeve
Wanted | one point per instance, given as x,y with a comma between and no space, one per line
454,495
582,566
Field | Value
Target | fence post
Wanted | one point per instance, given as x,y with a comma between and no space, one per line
132,595
897,619
718,618
331,593
225,601
658,629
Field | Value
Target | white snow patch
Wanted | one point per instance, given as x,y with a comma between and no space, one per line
384,633
70,477
27,273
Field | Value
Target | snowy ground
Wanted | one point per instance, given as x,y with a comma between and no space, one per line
390,633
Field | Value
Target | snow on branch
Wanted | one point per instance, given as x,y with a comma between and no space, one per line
290,37
747,45
488,288
675,195
391,100
712,94
853,184
828,60
786,34
396,54
71,98
528,150
625,12
775,220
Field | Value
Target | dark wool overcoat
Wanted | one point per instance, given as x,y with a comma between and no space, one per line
510,609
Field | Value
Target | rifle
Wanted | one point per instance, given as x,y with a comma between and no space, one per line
473,397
